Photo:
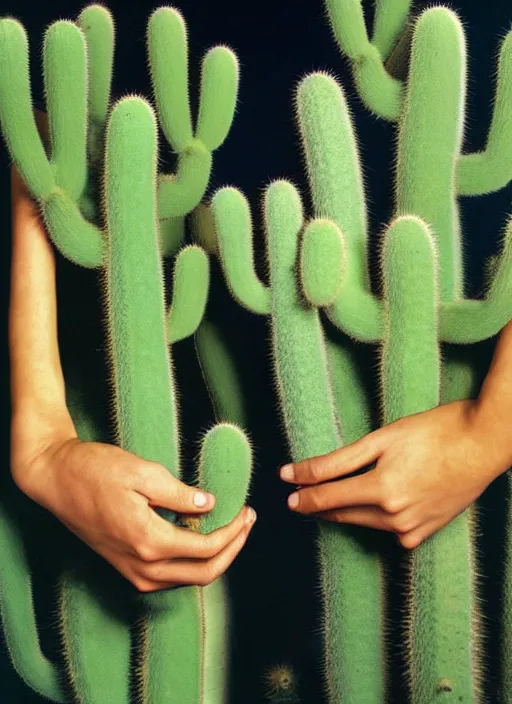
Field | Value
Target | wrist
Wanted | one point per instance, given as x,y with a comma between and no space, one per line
493,433
33,435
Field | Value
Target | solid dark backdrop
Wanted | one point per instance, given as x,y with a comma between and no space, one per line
275,579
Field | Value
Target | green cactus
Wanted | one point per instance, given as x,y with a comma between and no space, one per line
429,144
353,620
78,60
442,635
384,95
97,644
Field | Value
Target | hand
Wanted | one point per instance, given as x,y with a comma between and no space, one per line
105,495
430,466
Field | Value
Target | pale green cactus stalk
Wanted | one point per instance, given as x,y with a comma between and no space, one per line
354,626
146,419
442,636
78,62
97,645
383,94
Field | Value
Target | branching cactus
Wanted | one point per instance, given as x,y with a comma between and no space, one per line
78,61
385,95
181,629
128,248
443,634
352,573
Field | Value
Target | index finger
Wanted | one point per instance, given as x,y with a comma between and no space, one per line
340,462
353,491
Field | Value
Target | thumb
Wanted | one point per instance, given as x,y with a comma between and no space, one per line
161,488
342,461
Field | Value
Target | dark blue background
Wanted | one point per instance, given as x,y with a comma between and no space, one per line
278,42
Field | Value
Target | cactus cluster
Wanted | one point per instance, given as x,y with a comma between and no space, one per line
322,264
123,230
106,207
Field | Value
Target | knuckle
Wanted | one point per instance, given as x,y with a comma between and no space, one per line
392,502
207,576
210,545
400,523
145,552
314,469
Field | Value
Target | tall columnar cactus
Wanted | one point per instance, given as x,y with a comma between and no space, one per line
442,634
385,95
184,628
78,62
409,322
353,619
97,644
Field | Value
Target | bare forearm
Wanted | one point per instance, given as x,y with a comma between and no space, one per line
38,403
494,404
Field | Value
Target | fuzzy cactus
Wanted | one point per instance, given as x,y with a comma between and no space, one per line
78,61
422,306
353,621
97,644
442,635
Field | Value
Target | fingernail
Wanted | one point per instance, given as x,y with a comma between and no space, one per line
287,472
200,499
251,516
293,500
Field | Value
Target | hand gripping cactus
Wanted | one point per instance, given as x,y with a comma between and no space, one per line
78,64
97,645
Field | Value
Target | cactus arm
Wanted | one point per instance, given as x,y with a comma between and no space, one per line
468,321
168,63
65,81
135,292
170,627
179,193
190,293
233,226
307,404
219,90
97,24
430,137
225,471
380,92
17,117
18,614
439,623
409,267
389,22
220,374
490,170
76,238
172,234
329,140
322,264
